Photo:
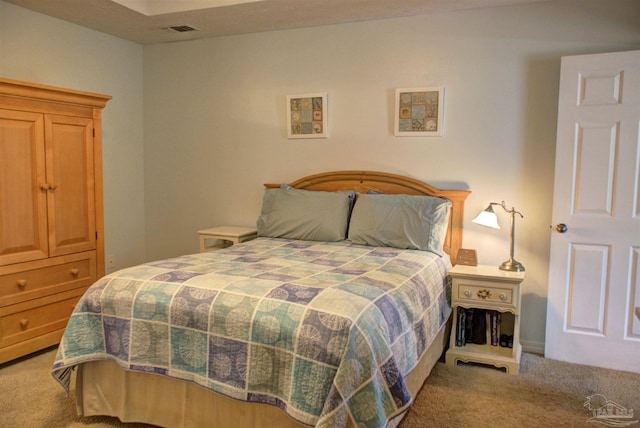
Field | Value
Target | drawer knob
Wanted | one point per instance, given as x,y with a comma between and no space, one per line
467,293
24,323
503,296
22,284
75,272
483,294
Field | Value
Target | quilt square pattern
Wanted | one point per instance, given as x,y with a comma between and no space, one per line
327,332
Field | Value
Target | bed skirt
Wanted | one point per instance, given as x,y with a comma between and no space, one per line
103,388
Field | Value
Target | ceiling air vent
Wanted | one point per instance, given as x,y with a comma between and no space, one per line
182,28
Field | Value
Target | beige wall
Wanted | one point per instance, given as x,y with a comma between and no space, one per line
214,116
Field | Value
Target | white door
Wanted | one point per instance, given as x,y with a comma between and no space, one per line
594,272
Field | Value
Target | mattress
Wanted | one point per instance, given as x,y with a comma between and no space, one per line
326,332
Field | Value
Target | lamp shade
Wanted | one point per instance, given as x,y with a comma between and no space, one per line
487,218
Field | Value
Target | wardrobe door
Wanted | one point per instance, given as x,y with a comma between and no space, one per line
70,180
23,209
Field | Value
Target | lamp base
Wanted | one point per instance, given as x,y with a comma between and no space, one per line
512,266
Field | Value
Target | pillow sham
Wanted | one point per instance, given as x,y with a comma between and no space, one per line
400,221
305,214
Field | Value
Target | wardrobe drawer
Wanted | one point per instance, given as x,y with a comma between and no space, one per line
33,280
29,320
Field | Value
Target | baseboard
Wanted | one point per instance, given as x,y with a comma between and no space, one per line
532,347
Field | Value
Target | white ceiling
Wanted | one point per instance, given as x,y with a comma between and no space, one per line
147,21
161,7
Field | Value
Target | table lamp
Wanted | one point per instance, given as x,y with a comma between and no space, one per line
489,218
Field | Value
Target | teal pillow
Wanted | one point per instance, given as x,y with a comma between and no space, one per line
305,214
400,221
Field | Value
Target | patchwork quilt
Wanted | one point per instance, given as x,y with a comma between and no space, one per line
325,331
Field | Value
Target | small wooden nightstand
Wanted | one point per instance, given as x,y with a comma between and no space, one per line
225,236
495,295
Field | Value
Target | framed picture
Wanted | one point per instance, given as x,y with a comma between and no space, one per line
307,116
418,112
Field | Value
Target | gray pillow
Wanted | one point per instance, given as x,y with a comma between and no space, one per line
304,214
400,221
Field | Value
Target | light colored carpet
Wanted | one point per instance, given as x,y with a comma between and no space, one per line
546,394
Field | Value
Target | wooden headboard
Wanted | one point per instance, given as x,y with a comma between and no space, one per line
363,181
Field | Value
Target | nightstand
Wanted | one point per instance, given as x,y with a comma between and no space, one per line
224,236
486,316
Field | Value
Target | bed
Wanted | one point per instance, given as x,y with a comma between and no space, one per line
333,317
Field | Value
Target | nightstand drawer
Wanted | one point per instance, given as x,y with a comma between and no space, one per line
485,294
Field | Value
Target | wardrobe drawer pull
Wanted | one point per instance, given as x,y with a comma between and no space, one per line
22,284
24,323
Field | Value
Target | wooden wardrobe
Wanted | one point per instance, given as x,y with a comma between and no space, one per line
51,212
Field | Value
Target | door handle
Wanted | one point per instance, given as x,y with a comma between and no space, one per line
561,228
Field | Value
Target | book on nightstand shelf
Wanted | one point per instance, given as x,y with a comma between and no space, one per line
494,317
462,319
480,327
